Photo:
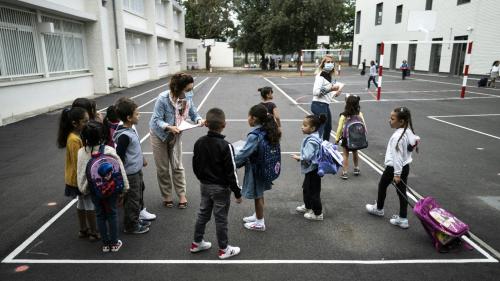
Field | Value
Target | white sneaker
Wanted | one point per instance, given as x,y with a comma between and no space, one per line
230,251
255,226
146,216
397,221
302,209
312,216
372,209
251,218
198,247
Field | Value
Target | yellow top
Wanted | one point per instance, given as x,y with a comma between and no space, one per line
73,144
340,127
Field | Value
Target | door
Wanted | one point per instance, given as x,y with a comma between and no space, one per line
394,55
412,55
458,56
435,58
377,54
359,54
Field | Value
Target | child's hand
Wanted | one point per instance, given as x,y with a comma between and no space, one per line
144,162
296,157
202,122
239,200
397,179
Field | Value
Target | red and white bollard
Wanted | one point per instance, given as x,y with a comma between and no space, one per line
380,66
466,68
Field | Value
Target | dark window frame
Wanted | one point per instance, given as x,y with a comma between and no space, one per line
378,19
461,2
428,5
358,21
399,13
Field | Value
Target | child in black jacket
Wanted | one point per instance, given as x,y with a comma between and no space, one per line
213,164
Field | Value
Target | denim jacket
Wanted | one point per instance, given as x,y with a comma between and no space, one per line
308,153
164,115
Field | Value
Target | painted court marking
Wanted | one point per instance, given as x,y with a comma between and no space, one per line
438,118
11,257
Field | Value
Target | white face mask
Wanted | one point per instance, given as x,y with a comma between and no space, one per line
328,66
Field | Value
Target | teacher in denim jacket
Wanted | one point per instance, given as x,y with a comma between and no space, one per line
171,108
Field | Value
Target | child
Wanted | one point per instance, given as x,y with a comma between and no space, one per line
128,147
351,110
70,127
311,187
93,136
397,165
373,74
253,186
90,107
213,165
404,69
110,123
267,96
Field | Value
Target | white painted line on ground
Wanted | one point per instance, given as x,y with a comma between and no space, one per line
27,242
234,261
246,120
463,127
421,99
136,96
379,169
439,82
466,115
284,77
208,94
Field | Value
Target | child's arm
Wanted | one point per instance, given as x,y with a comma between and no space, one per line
230,170
247,150
276,114
397,157
340,126
309,151
81,171
72,147
121,147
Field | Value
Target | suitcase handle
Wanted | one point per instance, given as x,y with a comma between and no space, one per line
404,195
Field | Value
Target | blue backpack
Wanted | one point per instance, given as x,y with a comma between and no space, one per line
329,159
104,175
267,158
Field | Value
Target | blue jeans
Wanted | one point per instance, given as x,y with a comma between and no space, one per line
319,108
106,215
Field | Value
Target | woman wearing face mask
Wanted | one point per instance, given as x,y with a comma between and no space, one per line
171,108
324,90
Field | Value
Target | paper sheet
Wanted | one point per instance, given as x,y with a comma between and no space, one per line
187,126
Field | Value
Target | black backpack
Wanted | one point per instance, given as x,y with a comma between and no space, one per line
354,133
482,82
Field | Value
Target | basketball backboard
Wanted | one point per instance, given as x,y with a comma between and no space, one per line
422,21
323,39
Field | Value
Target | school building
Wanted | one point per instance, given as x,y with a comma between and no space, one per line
53,51
428,20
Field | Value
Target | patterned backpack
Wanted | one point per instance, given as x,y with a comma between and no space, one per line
354,133
104,174
267,158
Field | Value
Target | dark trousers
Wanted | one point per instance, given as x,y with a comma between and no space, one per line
319,108
374,79
106,215
214,198
386,180
133,201
311,190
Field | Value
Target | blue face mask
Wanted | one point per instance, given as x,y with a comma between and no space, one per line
189,94
328,66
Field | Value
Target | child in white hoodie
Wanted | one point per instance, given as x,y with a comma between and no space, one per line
397,165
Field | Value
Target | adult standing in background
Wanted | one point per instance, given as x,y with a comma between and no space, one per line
323,92
494,74
171,108
363,70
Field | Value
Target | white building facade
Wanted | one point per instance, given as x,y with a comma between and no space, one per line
221,54
387,20
53,51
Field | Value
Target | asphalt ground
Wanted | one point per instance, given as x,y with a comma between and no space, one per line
457,164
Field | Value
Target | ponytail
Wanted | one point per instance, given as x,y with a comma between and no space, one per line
267,121
403,113
68,116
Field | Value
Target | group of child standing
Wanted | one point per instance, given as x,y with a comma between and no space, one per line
85,134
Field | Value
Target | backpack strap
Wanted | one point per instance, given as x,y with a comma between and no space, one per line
101,148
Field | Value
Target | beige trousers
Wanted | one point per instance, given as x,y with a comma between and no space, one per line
169,169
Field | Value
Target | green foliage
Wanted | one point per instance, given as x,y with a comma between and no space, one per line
209,19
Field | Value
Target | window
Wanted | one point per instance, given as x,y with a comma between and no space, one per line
358,21
378,14
399,13
18,44
176,20
428,5
137,54
192,56
160,13
134,6
162,52
177,53
64,48
460,2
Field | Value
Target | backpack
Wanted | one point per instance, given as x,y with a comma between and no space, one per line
482,82
267,158
329,159
354,133
104,175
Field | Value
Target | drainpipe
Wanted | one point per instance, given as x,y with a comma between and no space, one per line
117,46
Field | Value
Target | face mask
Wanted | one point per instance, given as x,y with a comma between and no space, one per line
328,66
189,94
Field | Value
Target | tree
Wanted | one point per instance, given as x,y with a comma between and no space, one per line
209,19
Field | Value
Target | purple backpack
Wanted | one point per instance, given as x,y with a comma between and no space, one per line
444,228
354,133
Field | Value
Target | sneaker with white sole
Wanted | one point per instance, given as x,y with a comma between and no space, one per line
401,222
255,226
201,246
302,209
116,247
372,209
106,248
146,216
314,217
251,218
356,171
228,252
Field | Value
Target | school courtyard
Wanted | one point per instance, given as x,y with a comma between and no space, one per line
458,164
